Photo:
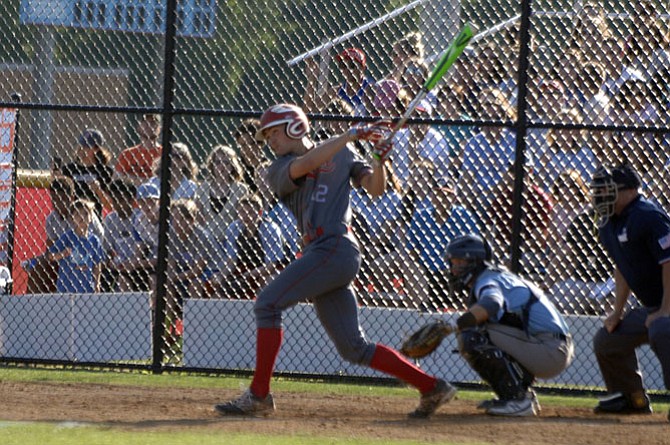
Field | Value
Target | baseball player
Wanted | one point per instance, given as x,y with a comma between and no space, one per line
314,182
511,333
636,234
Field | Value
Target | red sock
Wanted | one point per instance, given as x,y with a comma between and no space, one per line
391,362
268,342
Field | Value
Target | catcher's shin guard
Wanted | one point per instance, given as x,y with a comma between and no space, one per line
506,376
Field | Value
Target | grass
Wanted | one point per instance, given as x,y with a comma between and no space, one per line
68,434
72,433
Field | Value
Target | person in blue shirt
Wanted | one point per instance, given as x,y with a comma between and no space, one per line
486,156
353,89
79,253
511,333
636,234
255,249
430,230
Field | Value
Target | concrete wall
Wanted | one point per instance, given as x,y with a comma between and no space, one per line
221,334
76,327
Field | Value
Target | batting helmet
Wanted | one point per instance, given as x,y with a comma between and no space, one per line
605,185
472,248
297,125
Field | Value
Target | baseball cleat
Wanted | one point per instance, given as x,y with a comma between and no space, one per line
522,407
247,405
431,401
486,404
619,403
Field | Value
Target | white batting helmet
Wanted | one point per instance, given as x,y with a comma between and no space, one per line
297,125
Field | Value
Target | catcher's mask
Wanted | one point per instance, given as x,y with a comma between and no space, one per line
605,185
475,252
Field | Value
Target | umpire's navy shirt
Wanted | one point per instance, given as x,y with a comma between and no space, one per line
638,240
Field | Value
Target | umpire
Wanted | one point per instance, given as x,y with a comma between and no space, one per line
636,234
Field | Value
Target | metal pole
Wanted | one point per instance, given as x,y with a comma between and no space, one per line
164,212
367,26
521,127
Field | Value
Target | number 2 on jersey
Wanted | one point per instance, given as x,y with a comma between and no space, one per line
320,193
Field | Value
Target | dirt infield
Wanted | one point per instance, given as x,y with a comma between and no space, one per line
142,408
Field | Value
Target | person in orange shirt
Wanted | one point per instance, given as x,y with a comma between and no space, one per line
135,163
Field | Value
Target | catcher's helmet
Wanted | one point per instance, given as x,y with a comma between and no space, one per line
605,185
472,248
297,124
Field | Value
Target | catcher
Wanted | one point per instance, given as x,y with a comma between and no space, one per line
510,335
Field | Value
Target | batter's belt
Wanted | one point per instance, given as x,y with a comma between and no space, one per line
314,234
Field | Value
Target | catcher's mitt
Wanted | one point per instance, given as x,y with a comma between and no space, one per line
427,339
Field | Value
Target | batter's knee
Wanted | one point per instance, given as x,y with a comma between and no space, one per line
358,351
267,314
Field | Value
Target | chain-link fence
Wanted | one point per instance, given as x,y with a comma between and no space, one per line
106,256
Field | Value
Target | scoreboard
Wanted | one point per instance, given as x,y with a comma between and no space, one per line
195,18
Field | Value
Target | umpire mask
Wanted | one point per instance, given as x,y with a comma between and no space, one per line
605,185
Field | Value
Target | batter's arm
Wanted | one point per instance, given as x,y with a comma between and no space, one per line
318,155
375,183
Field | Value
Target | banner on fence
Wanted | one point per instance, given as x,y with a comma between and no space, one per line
7,133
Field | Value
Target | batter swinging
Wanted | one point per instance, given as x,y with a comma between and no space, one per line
315,183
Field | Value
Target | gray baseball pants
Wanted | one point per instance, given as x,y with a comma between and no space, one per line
323,275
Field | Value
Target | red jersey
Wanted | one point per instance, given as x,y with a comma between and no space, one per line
138,161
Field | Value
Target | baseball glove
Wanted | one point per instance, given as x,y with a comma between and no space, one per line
426,339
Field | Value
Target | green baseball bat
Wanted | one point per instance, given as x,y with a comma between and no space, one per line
454,50
449,57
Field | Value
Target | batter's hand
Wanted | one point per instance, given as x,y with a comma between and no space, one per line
382,149
374,132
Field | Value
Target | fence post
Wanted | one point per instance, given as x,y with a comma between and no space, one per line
521,127
165,192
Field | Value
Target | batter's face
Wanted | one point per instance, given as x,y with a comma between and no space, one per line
279,141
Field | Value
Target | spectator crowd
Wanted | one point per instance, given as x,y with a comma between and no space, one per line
229,234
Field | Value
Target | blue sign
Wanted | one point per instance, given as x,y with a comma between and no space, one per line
195,18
